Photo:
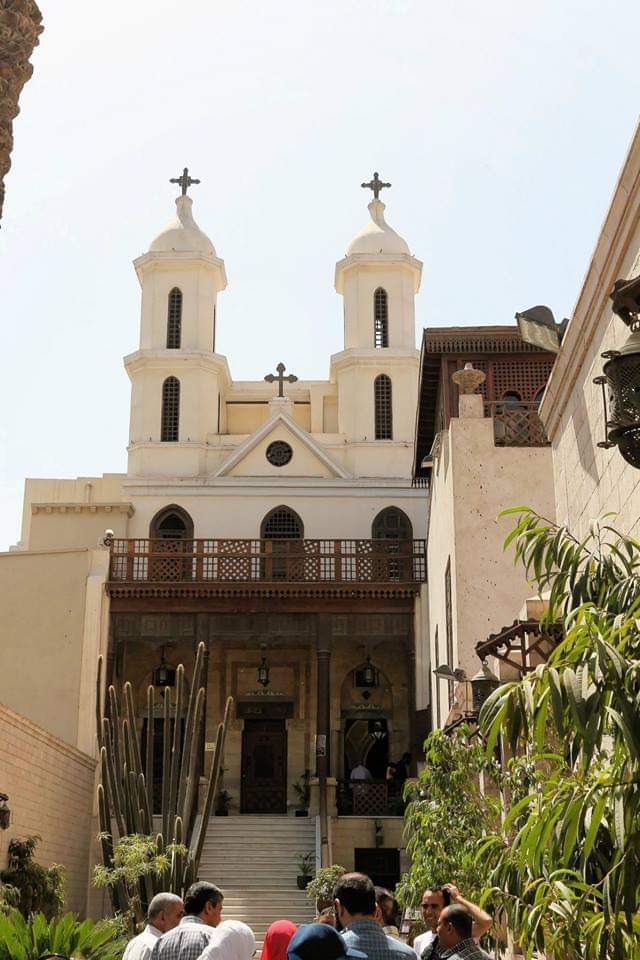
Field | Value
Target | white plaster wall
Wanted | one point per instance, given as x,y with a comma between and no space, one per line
472,482
199,280
359,285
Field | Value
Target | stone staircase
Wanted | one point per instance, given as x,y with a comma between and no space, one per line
254,860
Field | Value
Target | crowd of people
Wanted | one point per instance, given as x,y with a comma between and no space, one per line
362,924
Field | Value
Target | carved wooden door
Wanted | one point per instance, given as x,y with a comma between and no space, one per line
264,767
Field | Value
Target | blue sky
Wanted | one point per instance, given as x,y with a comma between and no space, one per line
501,126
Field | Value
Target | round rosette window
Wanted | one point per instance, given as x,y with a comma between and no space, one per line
279,453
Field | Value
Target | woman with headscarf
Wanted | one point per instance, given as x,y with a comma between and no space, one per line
276,940
231,940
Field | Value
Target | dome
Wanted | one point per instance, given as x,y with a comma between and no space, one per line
183,235
377,236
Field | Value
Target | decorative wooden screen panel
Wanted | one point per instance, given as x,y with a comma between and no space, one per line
369,798
174,320
383,407
380,318
170,427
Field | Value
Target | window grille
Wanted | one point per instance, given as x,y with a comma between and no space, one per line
282,524
380,318
392,524
174,319
170,409
383,410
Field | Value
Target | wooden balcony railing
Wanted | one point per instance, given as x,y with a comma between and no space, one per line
250,561
516,424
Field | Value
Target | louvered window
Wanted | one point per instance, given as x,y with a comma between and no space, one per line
170,409
380,318
174,319
383,409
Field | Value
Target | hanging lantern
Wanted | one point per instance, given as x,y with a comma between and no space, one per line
368,673
164,676
5,812
377,729
483,683
263,669
621,374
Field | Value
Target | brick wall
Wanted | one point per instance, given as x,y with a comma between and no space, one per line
50,787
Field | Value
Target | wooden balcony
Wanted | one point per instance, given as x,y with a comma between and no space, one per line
516,424
165,568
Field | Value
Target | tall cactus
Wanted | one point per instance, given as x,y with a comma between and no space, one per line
125,791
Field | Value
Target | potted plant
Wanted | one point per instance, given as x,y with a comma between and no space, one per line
303,791
224,802
321,887
306,863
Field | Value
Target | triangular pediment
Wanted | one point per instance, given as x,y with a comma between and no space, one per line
309,458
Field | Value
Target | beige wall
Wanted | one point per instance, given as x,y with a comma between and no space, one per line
591,481
50,788
473,480
347,833
54,617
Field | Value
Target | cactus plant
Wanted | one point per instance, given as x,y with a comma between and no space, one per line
125,790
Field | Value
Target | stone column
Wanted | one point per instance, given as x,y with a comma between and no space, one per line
323,727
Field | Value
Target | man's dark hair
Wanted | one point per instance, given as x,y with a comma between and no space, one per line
199,895
356,893
446,896
388,905
460,919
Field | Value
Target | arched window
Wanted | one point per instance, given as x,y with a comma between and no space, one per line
382,407
282,523
282,560
171,523
392,524
170,409
174,319
380,318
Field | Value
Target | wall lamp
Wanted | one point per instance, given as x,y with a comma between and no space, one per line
482,683
621,375
5,812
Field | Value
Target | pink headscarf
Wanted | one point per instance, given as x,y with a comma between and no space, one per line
277,939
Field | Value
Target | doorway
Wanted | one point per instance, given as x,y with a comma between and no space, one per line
264,767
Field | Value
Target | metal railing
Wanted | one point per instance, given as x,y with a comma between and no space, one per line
248,561
516,424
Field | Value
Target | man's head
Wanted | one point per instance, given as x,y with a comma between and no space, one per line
455,924
388,907
204,900
355,898
165,912
433,901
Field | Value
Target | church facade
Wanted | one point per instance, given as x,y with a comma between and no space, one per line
275,521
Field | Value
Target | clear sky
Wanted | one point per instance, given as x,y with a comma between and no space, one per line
502,127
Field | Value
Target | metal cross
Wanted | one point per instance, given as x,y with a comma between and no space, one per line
376,185
280,378
185,181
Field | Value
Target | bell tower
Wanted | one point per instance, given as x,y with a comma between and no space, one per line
377,371
176,375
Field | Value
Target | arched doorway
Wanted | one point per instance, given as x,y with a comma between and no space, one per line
283,530
394,559
171,532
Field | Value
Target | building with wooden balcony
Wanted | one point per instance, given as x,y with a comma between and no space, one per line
480,448
273,520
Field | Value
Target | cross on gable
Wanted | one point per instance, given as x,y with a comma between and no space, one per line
184,181
280,378
376,185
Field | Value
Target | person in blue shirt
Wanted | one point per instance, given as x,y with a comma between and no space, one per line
357,912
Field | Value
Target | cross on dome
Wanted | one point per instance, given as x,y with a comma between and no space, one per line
375,184
280,378
185,181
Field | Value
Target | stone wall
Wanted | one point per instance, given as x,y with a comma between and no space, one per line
589,480
50,787
347,833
